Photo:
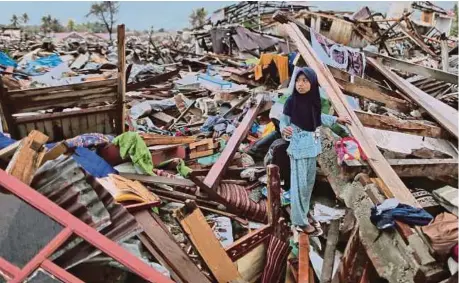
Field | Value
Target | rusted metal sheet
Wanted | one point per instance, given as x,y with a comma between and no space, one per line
64,182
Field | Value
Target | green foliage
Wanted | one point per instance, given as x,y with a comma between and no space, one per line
198,17
454,28
14,21
105,12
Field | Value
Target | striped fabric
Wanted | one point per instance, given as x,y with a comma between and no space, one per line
276,261
240,198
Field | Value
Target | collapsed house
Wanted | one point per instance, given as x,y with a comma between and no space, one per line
153,160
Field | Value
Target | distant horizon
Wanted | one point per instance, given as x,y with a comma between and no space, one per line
140,16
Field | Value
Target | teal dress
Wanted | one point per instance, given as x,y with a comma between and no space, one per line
303,149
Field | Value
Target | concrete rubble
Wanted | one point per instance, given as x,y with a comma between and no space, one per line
159,158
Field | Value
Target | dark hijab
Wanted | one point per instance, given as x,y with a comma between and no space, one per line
305,109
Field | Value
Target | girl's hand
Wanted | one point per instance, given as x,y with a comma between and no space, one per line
344,120
287,131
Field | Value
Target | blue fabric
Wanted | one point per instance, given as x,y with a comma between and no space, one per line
404,213
34,68
6,61
303,176
92,163
304,144
5,141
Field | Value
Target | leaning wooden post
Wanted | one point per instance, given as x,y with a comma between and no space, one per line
121,79
273,206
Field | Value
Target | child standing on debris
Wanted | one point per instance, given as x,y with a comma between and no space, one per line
300,124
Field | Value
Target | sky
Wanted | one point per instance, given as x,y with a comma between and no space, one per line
139,15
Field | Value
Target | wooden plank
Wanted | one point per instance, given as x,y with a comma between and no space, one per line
7,152
247,242
371,94
329,257
100,123
303,256
419,42
409,67
121,117
412,127
60,115
49,129
155,139
75,126
273,205
182,114
36,92
28,157
55,152
158,180
442,113
413,167
376,160
166,250
218,169
65,122
8,110
163,117
201,235
22,131
153,80
92,123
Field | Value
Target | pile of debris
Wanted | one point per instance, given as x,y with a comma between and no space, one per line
162,160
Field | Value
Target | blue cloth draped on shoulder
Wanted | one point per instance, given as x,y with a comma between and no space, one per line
384,215
86,158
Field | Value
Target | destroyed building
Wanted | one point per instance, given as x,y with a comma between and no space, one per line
160,157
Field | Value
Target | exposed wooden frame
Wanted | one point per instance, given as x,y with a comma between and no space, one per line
219,168
442,113
121,78
412,127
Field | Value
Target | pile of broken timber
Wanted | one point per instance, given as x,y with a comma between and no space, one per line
386,180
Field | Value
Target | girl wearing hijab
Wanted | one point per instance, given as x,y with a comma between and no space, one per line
300,124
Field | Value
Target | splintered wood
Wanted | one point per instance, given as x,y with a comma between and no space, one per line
201,235
28,157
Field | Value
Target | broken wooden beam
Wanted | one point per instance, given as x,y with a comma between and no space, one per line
304,274
371,94
156,139
412,167
376,160
412,127
158,180
442,113
329,256
249,241
405,66
182,114
28,157
121,92
161,244
210,249
218,169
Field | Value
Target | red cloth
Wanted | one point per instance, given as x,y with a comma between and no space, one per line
111,154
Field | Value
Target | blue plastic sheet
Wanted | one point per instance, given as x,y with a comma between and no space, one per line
5,141
37,67
6,61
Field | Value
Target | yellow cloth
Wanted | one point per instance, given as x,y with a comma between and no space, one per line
281,64
268,129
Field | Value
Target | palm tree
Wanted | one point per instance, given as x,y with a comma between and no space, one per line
46,23
25,18
14,21
71,25
198,17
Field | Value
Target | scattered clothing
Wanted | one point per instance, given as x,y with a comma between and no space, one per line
277,252
442,233
383,216
349,148
132,145
339,56
325,214
92,163
218,124
448,198
280,61
89,140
